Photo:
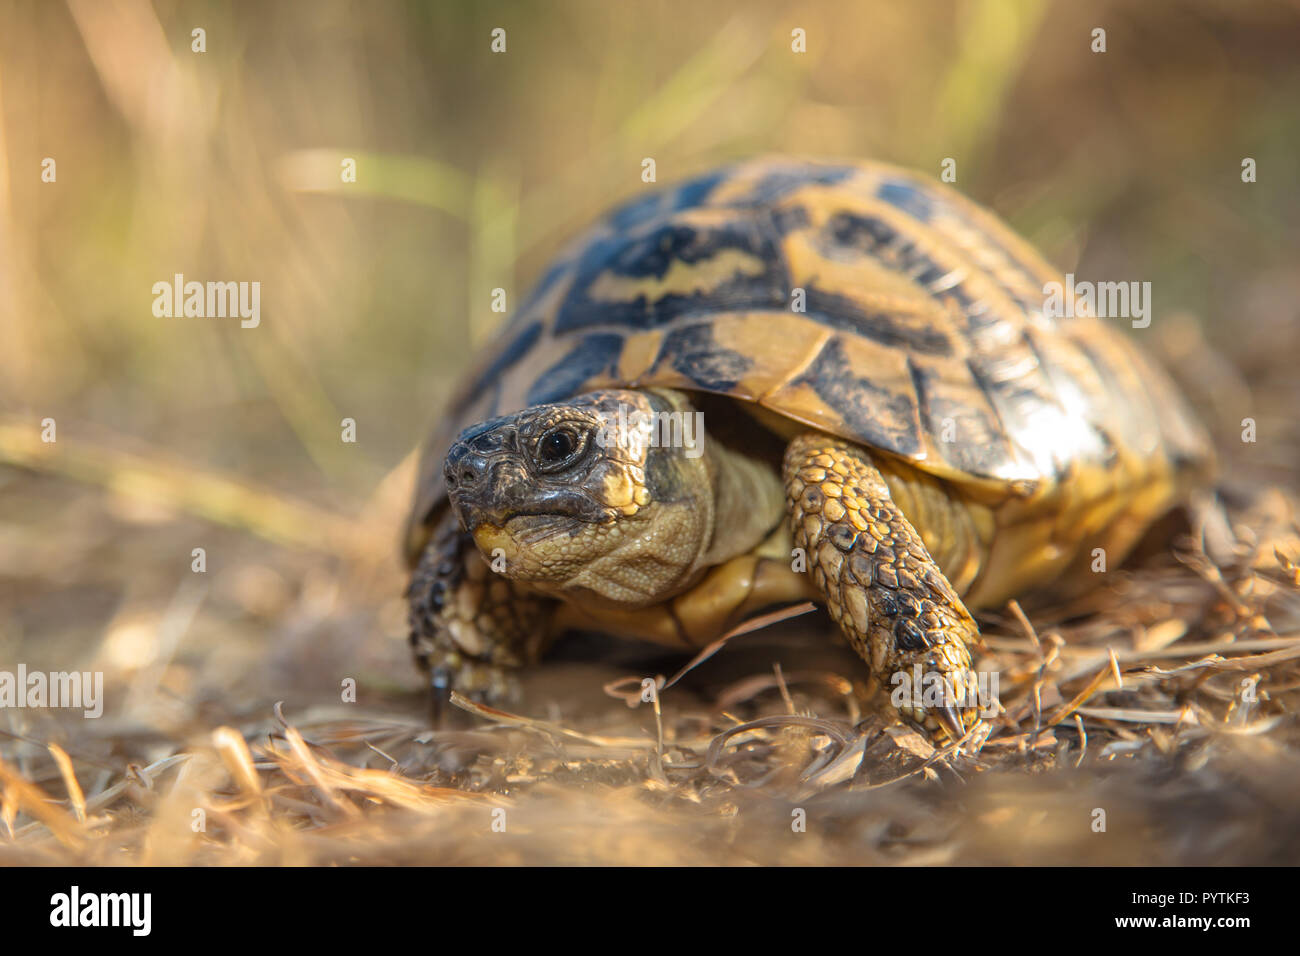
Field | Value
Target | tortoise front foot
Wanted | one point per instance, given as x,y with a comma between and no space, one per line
881,586
471,629
480,681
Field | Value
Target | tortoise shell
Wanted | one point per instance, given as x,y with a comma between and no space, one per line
860,299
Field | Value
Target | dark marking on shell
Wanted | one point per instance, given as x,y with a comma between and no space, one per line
649,255
693,351
1016,386
788,219
875,237
955,213
782,182
696,191
842,312
870,235
881,417
661,203
638,212
908,197
1110,450
595,354
978,444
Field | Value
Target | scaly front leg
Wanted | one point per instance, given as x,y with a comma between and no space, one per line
471,628
881,586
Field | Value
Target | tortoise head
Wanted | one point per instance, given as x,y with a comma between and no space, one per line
580,497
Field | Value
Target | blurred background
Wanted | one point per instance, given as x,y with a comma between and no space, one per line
472,168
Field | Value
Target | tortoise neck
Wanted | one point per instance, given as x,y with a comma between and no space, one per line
735,493
748,502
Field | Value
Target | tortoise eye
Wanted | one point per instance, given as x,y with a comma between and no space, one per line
557,446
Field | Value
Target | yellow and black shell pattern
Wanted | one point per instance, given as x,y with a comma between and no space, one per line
857,298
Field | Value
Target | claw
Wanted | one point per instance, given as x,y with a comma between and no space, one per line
951,721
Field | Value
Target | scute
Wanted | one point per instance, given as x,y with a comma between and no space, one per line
695,353
858,298
696,261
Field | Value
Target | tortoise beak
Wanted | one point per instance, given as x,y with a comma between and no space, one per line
467,474
485,484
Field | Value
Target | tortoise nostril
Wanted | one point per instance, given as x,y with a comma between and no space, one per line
464,469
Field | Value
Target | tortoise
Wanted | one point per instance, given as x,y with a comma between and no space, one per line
779,381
